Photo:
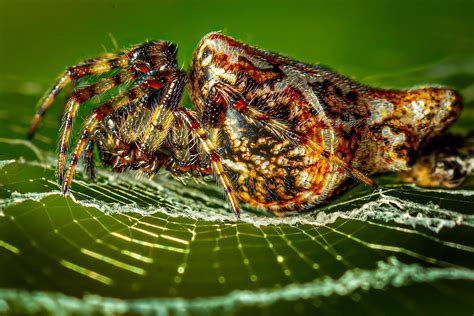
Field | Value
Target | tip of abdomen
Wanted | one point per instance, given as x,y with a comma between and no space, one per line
441,107
402,121
452,102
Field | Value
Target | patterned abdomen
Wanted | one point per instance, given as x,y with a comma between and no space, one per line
400,122
274,173
292,135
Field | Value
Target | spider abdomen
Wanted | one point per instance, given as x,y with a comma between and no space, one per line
295,135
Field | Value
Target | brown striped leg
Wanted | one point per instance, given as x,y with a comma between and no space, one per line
119,101
214,158
162,117
89,167
89,67
278,128
72,107
144,58
88,130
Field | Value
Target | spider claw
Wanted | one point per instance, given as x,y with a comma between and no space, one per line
67,183
65,188
60,178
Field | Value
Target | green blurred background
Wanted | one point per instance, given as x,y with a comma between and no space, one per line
364,39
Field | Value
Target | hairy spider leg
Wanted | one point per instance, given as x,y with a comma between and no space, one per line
72,107
162,117
89,167
135,93
214,158
89,127
94,66
250,113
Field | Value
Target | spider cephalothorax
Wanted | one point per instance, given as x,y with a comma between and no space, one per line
276,133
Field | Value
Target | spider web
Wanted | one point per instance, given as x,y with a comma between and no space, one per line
124,245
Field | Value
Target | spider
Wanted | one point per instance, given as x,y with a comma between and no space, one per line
277,134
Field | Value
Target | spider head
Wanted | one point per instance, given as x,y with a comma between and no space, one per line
155,54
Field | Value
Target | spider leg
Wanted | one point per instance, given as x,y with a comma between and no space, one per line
95,66
89,167
135,93
253,115
162,117
214,158
89,127
73,104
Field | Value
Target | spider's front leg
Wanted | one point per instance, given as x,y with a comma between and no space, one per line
139,63
215,160
89,167
135,61
162,117
96,66
137,92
